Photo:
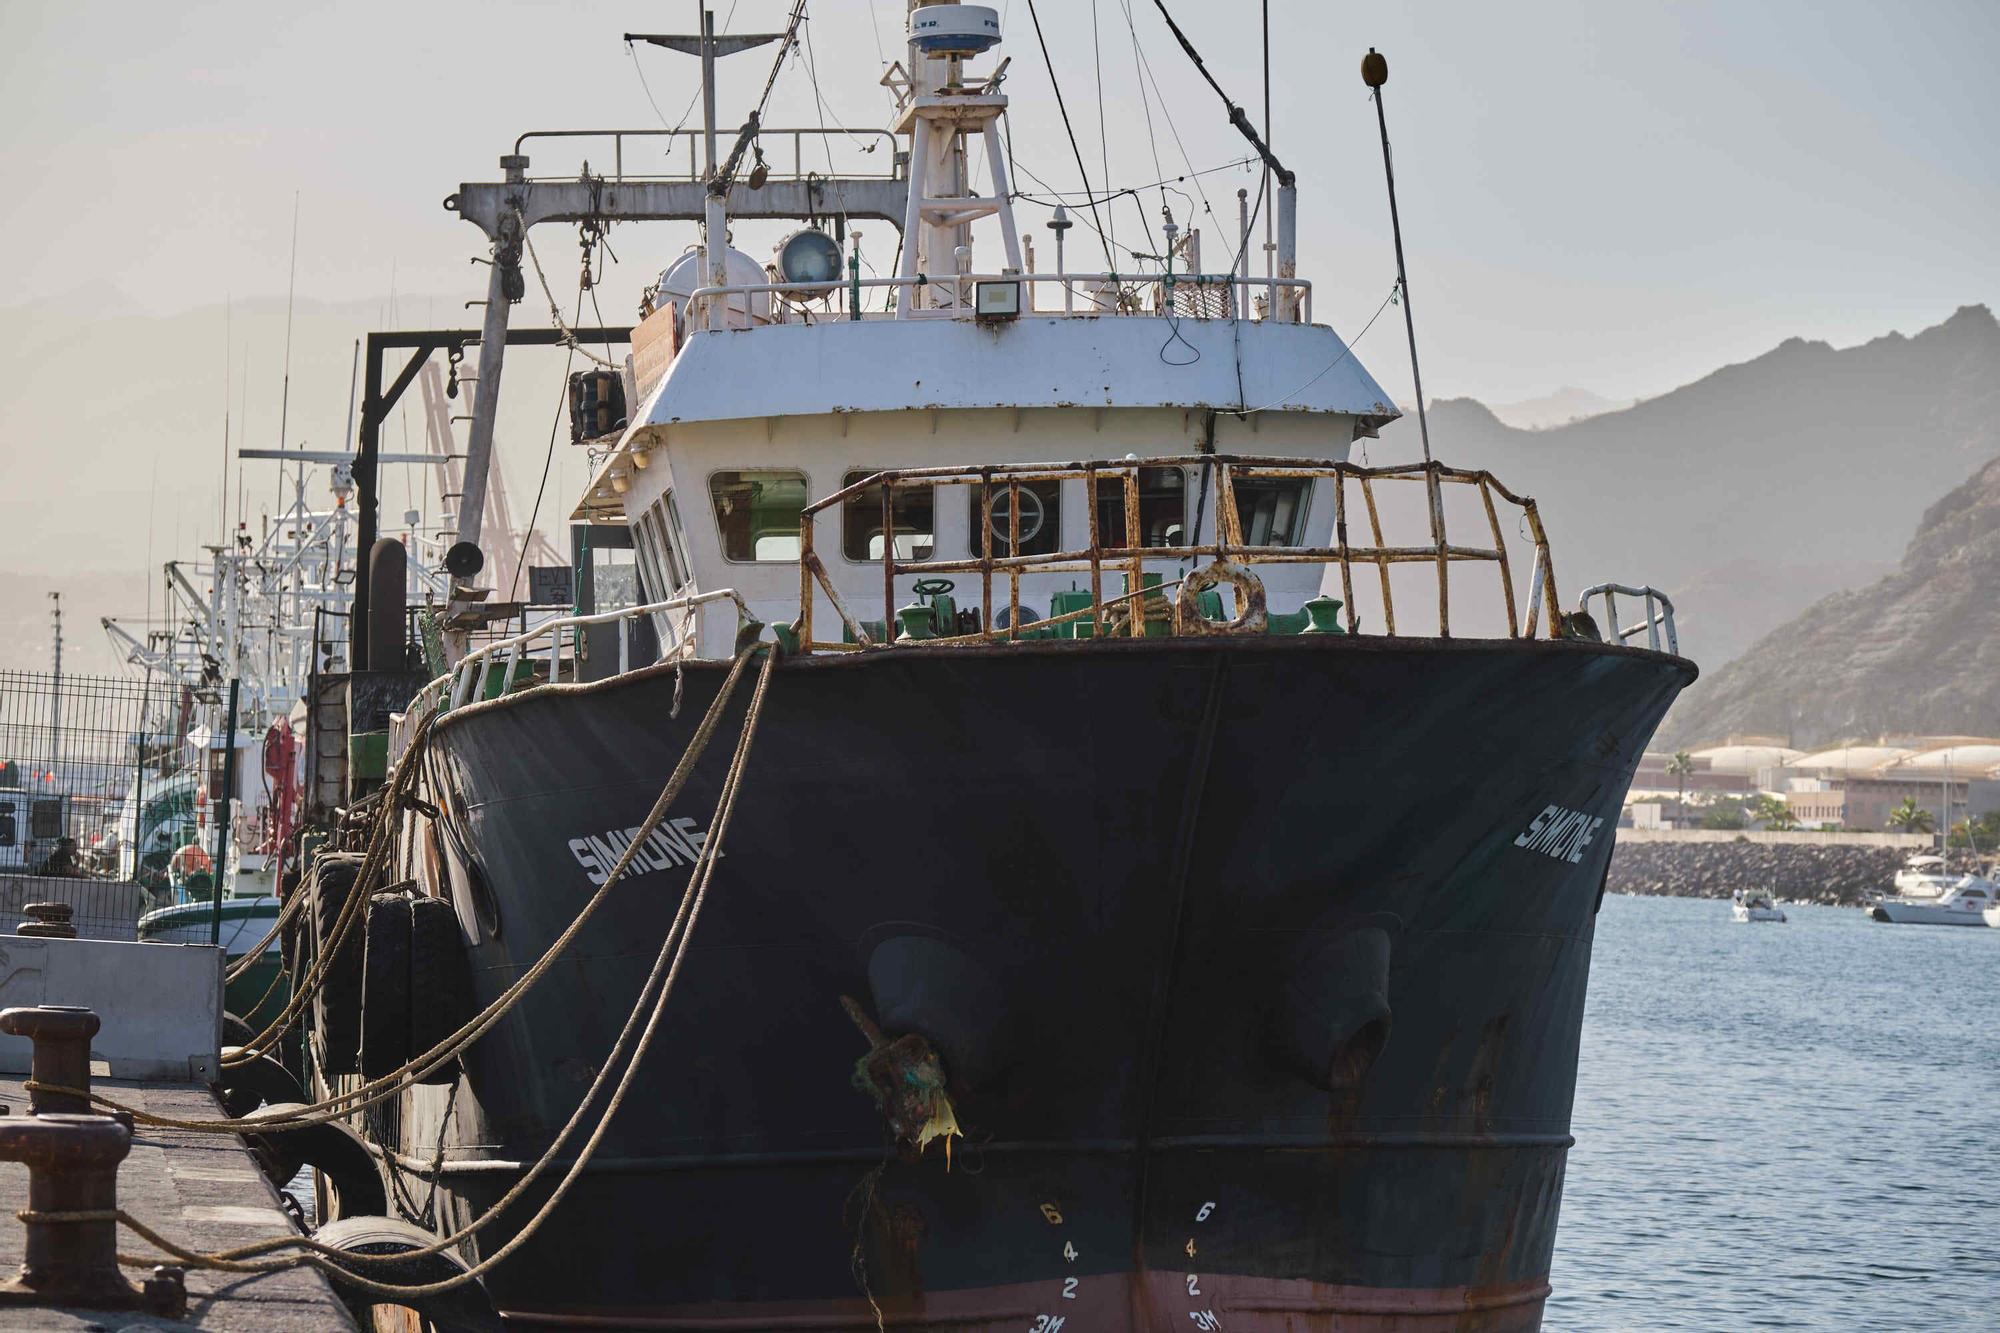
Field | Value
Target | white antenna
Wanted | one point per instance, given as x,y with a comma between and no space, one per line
715,229
291,287
55,700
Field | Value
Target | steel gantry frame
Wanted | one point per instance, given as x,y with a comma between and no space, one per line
376,404
506,209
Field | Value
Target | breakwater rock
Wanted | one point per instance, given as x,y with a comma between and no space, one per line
1825,873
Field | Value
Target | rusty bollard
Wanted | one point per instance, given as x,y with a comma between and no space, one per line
49,921
72,1163
61,1034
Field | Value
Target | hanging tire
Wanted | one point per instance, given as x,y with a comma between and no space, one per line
331,1148
385,986
337,1006
464,1310
236,1032
242,1088
440,980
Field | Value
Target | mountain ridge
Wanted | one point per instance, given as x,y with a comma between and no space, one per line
1764,485
1918,651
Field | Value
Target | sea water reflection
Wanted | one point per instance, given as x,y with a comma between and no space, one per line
1783,1126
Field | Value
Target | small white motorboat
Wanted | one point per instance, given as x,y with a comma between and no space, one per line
1754,907
1923,877
1968,902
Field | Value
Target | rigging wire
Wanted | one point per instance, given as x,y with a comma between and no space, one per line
633,51
1067,199
1236,115
1345,352
1145,105
1069,129
548,460
726,173
1103,139
688,112
1165,110
812,77
1029,173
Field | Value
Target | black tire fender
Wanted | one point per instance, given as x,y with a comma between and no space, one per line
385,986
236,1032
331,1148
440,980
465,1310
337,1006
242,1088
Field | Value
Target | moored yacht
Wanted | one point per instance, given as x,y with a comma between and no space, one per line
1923,877
1963,903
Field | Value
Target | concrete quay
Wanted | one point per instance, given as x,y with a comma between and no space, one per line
203,1191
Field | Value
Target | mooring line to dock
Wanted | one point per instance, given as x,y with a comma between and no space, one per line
286,912
379,841
666,972
388,1085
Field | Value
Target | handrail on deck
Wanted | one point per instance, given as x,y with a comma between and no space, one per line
1082,294
797,134
468,678
1655,621
1229,547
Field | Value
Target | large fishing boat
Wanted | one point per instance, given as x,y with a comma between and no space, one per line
1157,892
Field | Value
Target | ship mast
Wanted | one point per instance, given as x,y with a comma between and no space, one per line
715,214
938,113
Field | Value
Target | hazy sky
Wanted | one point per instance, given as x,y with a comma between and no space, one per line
1616,195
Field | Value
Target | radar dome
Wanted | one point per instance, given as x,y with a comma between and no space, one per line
954,30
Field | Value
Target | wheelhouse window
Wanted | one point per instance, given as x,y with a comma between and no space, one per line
1162,508
1041,518
615,580
757,514
662,547
1272,510
914,516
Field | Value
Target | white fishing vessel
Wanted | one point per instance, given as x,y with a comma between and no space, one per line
1755,907
1966,902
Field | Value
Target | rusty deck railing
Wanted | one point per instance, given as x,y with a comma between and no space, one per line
1228,551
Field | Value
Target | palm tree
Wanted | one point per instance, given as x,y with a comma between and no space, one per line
1680,766
1983,831
1773,813
1909,817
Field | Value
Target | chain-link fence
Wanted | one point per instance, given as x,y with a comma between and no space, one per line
88,765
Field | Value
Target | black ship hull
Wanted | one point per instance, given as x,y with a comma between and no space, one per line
1257,966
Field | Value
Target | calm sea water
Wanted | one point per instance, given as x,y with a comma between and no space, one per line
1783,1126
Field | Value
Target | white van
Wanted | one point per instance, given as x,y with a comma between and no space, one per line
30,828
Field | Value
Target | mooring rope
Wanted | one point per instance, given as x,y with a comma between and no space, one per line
666,971
352,910
286,912
390,1084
